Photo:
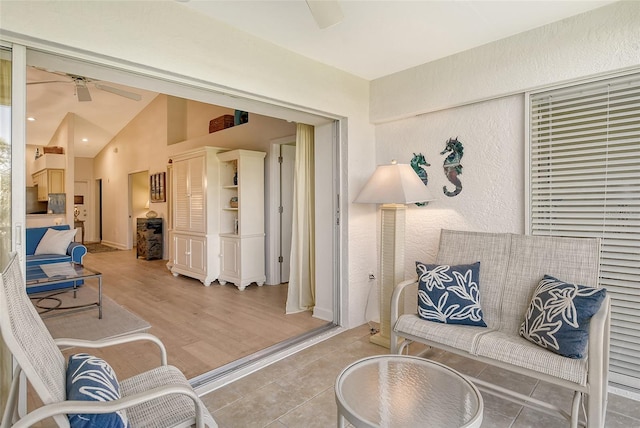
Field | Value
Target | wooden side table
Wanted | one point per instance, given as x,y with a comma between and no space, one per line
80,224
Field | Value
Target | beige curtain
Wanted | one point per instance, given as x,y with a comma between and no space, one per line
5,82
302,287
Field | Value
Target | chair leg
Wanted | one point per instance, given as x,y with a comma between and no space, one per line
575,408
596,408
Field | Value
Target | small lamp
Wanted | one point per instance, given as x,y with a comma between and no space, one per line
393,186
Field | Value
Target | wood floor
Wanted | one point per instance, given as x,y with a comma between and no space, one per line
202,327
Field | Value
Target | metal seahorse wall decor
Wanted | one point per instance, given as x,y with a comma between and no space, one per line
452,166
419,164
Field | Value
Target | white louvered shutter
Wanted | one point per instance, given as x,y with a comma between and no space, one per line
584,181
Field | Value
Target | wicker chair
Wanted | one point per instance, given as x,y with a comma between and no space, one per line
161,397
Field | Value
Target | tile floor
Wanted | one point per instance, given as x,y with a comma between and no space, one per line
298,391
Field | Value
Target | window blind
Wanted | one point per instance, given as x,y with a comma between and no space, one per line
584,181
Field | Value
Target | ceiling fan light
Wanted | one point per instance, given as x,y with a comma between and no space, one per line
82,92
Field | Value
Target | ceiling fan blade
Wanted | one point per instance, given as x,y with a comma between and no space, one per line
121,92
325,12
48,81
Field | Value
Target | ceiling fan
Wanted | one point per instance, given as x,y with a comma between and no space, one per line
325,12
81,86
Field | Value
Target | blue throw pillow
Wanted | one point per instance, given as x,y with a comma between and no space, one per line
449,294
559,314
92,379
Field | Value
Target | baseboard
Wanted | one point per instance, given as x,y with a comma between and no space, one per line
114,245
323,314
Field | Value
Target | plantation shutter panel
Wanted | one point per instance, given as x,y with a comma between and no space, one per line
584,181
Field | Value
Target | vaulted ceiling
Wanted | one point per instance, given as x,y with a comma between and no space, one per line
373,39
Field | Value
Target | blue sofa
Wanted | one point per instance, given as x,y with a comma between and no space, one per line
75,253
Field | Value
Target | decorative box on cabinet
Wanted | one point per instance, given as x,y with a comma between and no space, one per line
195,235
149,238
242,218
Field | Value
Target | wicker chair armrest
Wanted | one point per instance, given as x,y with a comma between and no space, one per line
95,407
134,337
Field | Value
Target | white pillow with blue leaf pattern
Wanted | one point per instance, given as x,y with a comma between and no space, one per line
92,379
450,294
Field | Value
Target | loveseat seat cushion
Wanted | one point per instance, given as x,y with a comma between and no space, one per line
43,259
464,337
492,251
519,352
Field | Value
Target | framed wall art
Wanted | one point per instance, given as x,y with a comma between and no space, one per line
157,187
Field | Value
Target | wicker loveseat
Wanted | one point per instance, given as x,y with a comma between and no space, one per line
511,267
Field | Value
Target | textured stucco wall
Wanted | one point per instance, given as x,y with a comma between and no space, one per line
492,176
418,109
596,42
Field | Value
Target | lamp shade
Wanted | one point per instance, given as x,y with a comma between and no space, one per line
394,184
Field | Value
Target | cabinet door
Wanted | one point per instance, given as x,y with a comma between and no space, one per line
190,182
56,180
181,195
181,250
197,184
230,257
40,180
198,255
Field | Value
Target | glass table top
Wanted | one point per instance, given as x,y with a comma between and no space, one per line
406,391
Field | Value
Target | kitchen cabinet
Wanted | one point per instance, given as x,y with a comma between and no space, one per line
48,181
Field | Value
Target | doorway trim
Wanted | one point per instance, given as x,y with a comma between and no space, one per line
120,71
273,219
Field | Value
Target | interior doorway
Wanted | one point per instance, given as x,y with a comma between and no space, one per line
287,168
98,210
82,214
328,262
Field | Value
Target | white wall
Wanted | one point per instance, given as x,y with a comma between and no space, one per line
589,44
167,36
493,131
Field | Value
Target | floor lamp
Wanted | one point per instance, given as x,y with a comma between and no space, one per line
393,186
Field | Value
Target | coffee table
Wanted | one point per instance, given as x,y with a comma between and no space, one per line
406,391
57,273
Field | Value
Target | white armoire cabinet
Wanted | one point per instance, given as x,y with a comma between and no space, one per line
242,218
196,198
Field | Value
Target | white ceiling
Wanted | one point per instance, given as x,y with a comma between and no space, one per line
98,120
375,38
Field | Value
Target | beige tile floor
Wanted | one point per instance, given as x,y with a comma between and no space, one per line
298,391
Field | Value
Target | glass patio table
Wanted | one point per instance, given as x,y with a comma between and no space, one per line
57,273
398,391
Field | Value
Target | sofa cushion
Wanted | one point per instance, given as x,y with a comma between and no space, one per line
55,242
519,352
449,294
559,314
92,379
